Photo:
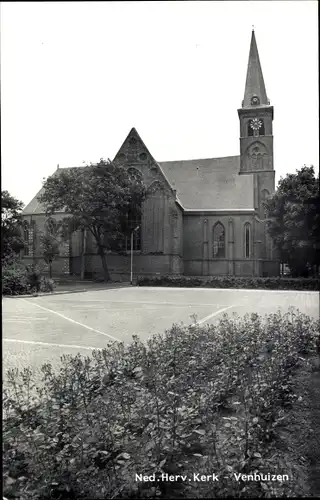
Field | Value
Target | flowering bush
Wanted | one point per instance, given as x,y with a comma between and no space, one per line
195,399
275,283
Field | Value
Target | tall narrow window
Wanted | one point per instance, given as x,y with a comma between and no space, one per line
26,238
247,240
219,241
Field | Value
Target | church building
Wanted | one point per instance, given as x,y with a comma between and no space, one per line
200,218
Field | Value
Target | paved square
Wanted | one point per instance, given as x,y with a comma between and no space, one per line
40,330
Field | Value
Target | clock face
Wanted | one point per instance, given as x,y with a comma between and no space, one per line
255,123
255,100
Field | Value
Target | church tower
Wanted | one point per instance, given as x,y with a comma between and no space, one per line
256,139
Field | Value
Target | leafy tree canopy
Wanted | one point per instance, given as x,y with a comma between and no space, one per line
295,220
11,221
96,197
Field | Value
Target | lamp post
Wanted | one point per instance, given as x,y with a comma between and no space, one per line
131,273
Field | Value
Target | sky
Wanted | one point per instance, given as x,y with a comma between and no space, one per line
77,76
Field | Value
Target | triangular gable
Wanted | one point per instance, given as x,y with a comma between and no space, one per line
133,150
134,153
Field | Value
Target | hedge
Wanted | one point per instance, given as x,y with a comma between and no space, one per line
193,400
232,282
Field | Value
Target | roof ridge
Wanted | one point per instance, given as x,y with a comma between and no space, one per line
200,159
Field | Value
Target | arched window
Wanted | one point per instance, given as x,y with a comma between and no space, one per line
247,240
219,241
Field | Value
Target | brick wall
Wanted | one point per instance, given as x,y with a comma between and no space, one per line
198,242
120,264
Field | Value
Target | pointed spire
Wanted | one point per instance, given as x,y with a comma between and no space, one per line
255,87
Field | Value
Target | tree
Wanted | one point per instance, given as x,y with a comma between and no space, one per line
11,226
295,220
51,249
96,198
50,242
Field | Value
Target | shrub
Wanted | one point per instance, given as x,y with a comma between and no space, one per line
18,279
47,284
34,278
196,399
273,283
15,279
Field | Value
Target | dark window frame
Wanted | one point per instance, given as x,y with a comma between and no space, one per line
247,240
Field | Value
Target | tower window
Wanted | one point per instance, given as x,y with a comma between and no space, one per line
219,241
255,127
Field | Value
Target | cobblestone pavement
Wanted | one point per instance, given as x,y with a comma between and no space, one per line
39,330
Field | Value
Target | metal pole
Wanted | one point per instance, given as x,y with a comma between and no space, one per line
82,257
131,274
131,257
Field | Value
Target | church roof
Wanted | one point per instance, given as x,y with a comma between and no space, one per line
211,183
34,207
205,184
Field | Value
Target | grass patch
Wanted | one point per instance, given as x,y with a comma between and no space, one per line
196,399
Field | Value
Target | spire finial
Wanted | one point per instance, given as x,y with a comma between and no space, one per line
253,27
